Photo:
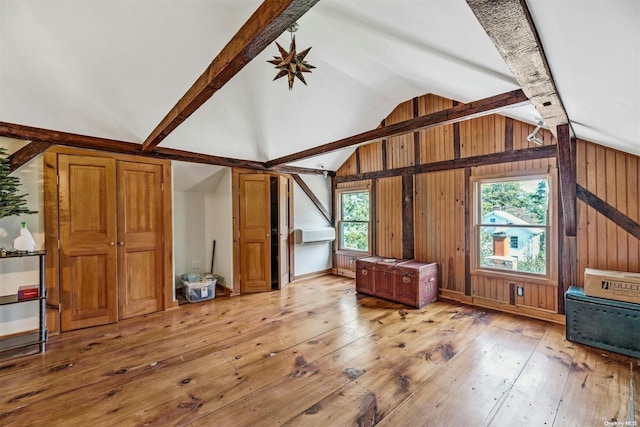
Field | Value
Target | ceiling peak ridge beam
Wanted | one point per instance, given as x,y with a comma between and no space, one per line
45,137
509,25
482,107
266,24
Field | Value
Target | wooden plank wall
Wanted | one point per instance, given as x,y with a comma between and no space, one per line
389,217
440,229
436,144
370,157
487,135
613,176
349,166
400,149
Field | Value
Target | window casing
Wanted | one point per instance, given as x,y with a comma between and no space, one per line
512,229
354,223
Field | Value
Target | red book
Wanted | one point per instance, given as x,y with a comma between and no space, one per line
28,292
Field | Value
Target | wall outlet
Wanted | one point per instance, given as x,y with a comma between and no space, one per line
520,291
195,265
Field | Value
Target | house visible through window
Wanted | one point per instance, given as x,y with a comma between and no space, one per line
512,229
354,225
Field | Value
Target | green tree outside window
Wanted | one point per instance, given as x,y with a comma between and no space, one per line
354,225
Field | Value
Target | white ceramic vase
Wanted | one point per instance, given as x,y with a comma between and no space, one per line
24,242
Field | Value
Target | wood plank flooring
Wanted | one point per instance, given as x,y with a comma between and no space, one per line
318,354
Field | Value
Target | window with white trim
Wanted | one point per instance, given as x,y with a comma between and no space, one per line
354,225
512,228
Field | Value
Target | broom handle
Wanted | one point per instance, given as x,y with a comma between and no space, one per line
213,254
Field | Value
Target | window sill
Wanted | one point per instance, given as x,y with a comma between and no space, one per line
358,254
516,277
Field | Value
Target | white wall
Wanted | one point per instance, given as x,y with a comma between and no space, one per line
16,272
188,233
202,213
312,258
219,227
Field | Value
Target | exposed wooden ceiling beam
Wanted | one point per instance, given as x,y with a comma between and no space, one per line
188,156
311,195
30,133
510,26
455,114
270,20
539,152
26,153
602,207
567,171
52,137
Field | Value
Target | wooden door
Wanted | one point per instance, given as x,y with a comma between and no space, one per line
140,247
255,243
87,207
283,231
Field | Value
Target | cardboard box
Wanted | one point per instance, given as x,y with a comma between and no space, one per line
615,285
28,292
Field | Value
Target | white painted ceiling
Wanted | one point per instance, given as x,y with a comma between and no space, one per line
114,68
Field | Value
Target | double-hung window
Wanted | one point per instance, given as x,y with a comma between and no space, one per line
354,226
512,230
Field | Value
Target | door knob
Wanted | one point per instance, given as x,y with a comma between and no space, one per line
121,243
112,243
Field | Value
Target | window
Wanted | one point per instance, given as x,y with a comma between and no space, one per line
354,224
511,224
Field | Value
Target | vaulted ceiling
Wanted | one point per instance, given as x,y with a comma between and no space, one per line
114,69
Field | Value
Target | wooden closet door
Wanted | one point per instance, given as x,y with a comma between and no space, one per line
87,207
283,231
140,247
255,225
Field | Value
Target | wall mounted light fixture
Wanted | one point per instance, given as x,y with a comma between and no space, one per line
533,136
325,172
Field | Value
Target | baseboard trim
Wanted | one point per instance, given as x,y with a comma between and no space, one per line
455,296
313,275
520,310
345,272
223,289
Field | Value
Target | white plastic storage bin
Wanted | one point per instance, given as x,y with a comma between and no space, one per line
199,291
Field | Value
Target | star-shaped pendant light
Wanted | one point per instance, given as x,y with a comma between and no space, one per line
291,63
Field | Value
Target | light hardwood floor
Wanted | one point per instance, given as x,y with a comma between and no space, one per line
318,354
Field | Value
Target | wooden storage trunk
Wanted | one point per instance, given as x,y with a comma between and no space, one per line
385,278
602,323
364,274
406,281
417,283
